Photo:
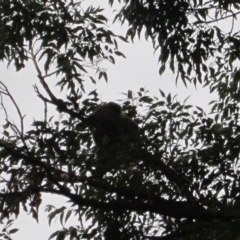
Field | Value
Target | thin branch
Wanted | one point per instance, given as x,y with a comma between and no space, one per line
41,78
3,107
4,88
41,96
45,111
50,74
45,101
232,27
216,20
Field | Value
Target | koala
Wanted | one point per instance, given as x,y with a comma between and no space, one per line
111,124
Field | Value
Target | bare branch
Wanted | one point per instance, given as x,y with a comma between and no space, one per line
41,78
3,87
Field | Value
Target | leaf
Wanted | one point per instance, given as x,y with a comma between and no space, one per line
68,215
130,94
14,230
162,69
105,76
162,93
119,54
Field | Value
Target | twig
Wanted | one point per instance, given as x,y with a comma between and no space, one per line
41,96
50,74
45,101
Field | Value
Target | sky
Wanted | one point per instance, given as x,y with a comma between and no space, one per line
139,69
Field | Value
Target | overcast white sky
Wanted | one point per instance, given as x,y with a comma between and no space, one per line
139,69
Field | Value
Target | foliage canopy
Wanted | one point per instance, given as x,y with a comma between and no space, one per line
181,179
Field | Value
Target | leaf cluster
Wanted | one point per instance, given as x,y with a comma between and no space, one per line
188,35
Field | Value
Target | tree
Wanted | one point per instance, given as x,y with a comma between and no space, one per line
180,180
